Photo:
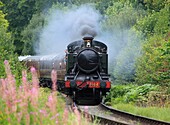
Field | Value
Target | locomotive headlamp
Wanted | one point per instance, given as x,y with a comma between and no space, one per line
88,44
60,64
73,84
88,41
87,78
70,49
103,84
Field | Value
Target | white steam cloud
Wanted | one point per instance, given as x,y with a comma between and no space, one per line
65,27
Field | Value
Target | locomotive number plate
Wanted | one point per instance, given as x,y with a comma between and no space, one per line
93,84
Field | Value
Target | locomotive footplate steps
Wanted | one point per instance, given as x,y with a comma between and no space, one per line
87,97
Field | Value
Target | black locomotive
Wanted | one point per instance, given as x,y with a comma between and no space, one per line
86,77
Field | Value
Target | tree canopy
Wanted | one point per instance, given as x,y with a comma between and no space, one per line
139,34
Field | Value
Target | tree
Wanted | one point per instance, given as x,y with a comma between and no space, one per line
30,35
154,64
120,19
18,13
7,49
155,5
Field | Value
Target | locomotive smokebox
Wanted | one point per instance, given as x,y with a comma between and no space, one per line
88,40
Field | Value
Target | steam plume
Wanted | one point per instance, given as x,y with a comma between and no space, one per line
65,27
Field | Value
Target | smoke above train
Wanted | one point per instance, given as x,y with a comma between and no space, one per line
66,26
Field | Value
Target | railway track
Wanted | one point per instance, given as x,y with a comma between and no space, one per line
106,115
110,116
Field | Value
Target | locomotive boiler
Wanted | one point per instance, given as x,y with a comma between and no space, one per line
81,74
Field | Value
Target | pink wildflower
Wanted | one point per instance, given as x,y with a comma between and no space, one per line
65,117
33,69
50,99
24,81
35,80
9,120
34,96
33,113
34,92
6,62
78,115
54,79
19,116
3,87
55,116
56,121
20,87
52,103
18,101
27,119
7,69
44,112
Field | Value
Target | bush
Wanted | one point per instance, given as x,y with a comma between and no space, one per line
129,93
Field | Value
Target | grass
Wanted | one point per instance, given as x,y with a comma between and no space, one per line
160,113
31,105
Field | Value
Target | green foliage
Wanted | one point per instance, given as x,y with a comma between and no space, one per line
154,23
30,35
155,5
7,49
121,17
160,113
124,68
154,65
129,93
44,5
18,13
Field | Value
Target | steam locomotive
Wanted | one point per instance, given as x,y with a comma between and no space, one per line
81,74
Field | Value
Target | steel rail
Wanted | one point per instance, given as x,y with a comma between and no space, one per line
110,116
141,119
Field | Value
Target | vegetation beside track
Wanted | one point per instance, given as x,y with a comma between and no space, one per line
160,113
28,104
145,100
